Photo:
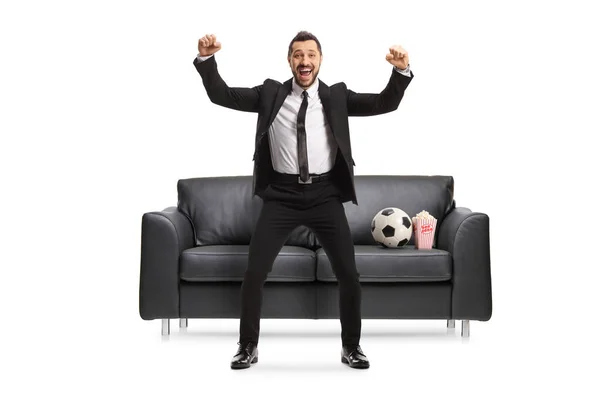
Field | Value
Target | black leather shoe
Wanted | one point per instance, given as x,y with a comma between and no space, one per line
354,357
247,354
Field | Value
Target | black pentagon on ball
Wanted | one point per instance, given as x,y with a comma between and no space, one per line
402,242
373,225
388,231
387,211
406,222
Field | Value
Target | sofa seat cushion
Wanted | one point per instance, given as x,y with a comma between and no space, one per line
220,263
380,264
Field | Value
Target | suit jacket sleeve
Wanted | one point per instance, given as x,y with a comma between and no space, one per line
365,104
242,99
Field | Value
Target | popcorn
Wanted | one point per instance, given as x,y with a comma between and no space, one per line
424,215
424,228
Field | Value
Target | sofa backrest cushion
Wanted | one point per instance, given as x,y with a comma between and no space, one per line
412,194
223,211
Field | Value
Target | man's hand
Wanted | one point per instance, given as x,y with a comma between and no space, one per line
208,45
398,57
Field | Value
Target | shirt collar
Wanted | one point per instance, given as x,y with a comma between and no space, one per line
312,90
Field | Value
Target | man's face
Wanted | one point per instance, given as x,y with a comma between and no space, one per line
305,62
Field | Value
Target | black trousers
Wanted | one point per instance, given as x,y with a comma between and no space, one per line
318,207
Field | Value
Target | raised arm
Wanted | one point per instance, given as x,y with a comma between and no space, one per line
242,99
365,104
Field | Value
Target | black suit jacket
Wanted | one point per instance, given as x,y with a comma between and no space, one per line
338,102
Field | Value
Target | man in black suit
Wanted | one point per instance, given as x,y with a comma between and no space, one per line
303,172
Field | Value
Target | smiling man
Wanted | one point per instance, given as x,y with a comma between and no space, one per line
304,58
303,172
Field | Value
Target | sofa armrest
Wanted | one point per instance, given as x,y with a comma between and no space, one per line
165,234
466,236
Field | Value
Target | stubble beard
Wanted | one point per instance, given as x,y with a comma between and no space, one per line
314,74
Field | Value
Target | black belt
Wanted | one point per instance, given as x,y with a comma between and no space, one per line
295,178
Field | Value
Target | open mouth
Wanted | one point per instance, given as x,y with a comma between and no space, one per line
305,72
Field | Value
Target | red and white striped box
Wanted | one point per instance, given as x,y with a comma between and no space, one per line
424,230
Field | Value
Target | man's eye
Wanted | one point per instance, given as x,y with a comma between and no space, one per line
312,56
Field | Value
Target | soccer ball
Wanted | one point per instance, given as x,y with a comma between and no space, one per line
391,227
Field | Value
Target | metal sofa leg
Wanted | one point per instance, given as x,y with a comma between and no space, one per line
183,322
166,327
465,328
450,324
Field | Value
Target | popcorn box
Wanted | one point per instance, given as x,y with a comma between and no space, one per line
424,230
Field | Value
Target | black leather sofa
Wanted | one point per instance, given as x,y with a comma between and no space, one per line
193,257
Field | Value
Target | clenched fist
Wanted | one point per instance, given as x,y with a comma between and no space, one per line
208,45
398,57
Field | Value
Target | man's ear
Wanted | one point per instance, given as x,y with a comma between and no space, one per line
289,61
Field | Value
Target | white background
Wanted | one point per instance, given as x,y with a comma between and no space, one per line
102,112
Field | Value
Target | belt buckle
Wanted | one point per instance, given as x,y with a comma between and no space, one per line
305,183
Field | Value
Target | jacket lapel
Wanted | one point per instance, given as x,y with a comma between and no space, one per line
282,93
324,95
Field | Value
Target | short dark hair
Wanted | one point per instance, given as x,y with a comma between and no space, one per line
303,36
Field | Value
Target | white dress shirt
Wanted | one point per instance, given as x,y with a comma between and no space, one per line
320,143
321,146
